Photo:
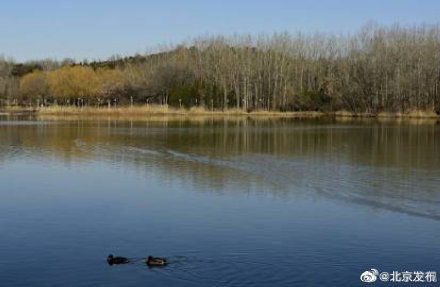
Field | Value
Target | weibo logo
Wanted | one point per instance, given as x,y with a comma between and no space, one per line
369,276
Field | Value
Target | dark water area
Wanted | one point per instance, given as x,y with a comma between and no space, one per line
230,201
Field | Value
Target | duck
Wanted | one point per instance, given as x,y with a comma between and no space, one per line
116,260
156,261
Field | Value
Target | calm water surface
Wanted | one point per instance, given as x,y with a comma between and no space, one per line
231,202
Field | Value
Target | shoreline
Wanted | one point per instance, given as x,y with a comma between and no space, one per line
157,110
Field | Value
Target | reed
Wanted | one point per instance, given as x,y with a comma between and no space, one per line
162,110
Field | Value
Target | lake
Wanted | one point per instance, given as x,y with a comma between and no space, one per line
230,201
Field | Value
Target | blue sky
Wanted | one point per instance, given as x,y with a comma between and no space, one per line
96,29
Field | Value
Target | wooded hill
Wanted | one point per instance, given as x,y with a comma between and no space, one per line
378,69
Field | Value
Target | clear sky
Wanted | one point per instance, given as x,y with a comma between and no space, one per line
97,29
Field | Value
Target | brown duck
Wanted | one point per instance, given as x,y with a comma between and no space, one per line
156,261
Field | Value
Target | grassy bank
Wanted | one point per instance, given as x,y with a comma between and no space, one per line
16,109
161,110
411,114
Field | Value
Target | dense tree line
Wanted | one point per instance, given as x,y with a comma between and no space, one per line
393,69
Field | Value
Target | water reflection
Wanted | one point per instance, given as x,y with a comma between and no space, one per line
381,164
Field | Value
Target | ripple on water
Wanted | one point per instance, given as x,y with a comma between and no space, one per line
228,270
378,187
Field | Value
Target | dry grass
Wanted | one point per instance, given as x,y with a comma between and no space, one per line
135,110
411,114
163,110
16,109
422,114
344,113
